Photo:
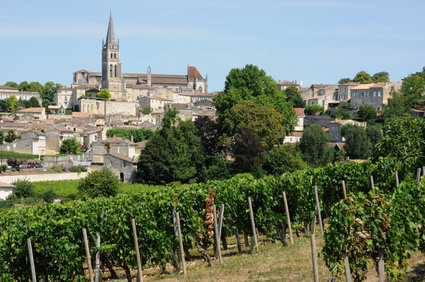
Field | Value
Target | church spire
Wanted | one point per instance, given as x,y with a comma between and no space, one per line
110,36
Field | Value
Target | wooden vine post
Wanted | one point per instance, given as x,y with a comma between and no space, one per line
344,254
418,175
251,213
372,183
33,275
381,266
314,256
181,243
318,210
136,245
288,218
86,245
396,178
97,277
217,236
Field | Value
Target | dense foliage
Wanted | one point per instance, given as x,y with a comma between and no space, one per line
99,183
139,135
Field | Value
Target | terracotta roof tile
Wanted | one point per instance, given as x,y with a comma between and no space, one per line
193,72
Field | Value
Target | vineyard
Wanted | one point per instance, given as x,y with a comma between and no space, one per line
369,221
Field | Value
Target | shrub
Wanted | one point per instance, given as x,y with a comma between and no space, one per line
4,167
12,197
24,188
99,183
6,204
48,196
18,168
57,168
74,169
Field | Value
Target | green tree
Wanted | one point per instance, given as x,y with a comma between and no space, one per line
252,83
35,87
100,183
24,188
313,109
367,113
413,88
297,101
381,76
49,90
314,146
70,146
2,137
340,113
24,86
104,94
362,77
12,84
4,105
11,136
34,102
396,106
13,103
404,139
374,134
344,80
146,110
357,144
291,92
174,153
280,160
248,151
264,121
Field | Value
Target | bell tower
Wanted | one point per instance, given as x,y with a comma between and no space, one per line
112,78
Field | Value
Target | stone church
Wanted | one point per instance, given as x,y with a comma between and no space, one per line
130,87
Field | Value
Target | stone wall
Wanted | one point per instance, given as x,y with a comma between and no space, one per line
323,121
44,177
108,107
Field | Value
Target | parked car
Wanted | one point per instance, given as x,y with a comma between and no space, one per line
24,165
38,165
30,165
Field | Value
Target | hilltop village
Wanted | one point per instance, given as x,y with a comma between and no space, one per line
141,100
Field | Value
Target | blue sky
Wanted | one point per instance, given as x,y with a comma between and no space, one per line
314,41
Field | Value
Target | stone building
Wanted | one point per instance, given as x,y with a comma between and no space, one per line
7,91
374,94
335,129
131,86
122,166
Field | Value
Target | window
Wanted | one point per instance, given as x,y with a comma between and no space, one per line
374,93
379,93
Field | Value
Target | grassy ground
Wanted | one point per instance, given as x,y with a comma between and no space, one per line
272,262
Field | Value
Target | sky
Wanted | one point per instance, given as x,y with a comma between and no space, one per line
313,41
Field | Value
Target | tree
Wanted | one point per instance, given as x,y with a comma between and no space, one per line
2,137
146,110
264,121
404,140
100,183
297,101
104,94
70,146
34,102
395,107
108,146
357,144
4,105
11,136
374,134
362,77
291,92
367,113
12,84
413,88
280,160
248,151
13,103
313,109
174,153
344,80
381,76
340,113
252,83
314,146
35,87
49,90
24,188
207,131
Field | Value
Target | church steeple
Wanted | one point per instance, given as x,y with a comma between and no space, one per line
110,35
112,78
